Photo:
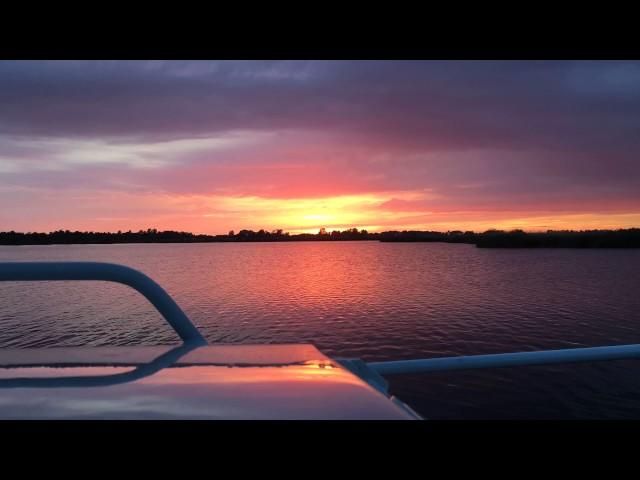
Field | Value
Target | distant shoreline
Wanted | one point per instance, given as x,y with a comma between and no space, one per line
622,238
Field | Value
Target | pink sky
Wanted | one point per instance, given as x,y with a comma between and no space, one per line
209,147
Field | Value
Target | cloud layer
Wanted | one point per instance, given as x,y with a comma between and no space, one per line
211,146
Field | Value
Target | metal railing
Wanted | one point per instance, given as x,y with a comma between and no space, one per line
109,272
569,355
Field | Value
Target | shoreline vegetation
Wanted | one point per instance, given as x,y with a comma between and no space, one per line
622,238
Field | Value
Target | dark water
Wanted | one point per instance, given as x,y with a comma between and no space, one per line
376,301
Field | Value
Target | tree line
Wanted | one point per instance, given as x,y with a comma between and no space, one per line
621,238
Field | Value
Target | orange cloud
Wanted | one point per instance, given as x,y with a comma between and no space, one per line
215,214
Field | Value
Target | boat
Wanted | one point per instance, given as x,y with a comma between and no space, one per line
198,380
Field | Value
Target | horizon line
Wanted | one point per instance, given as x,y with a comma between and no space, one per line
328,232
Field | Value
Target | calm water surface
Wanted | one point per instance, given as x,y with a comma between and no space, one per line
376,301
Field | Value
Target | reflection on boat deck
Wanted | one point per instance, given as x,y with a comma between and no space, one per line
210,382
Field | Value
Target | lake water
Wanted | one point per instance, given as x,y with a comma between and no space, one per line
375,301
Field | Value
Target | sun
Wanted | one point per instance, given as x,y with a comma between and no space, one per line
304,215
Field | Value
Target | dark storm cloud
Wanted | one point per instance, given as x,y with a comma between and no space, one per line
436,105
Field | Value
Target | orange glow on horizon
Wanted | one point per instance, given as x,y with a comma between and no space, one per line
374,212
368,212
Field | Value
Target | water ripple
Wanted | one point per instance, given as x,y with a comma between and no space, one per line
370,300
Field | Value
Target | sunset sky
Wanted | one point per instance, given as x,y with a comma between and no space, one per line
208,147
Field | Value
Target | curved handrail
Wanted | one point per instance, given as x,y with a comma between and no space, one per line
110,272
567,355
